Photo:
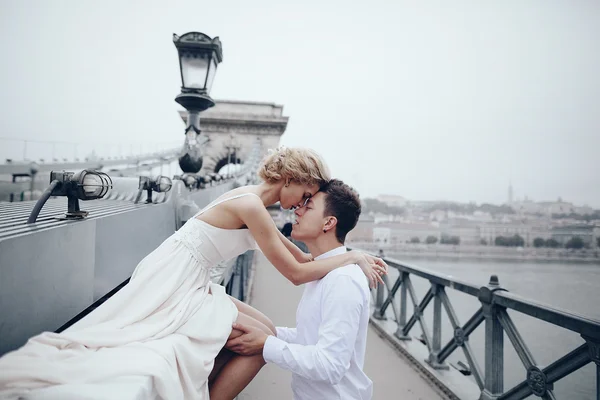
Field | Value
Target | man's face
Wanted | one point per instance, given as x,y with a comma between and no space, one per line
310,219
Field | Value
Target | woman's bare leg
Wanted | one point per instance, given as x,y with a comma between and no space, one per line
235,376
237,372
223,358
254,313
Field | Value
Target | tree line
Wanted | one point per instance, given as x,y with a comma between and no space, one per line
517,241
509,241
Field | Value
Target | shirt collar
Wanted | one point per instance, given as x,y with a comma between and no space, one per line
331,253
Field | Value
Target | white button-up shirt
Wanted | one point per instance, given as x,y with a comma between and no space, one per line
326,350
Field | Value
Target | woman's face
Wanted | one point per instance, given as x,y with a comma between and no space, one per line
295,194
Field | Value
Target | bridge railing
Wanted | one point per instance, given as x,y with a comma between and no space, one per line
237,280
495,302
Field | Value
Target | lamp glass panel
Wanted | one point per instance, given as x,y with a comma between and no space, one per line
164,184
194,70
92,185
211,74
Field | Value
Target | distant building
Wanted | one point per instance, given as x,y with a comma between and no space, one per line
395,233
392,200
468,231
491,231
539,230
528,207
379,217
363,232
562,234
583,210
438,215
558,207
548,207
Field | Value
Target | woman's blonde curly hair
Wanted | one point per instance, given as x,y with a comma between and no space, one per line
302,165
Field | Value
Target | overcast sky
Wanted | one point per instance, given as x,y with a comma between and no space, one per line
450,100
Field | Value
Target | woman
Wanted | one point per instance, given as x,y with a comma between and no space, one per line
170,322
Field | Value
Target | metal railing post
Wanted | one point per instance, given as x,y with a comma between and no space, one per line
436,342
494,343
242,267
402,320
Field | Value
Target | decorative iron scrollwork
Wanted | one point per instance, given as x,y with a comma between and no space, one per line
459,336
537,381
193,37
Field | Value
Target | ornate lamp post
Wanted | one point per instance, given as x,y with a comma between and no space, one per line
233,146
199,56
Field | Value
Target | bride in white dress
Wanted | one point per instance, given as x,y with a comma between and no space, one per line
170,322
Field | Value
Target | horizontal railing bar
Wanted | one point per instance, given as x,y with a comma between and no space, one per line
435,277
565,319
516,339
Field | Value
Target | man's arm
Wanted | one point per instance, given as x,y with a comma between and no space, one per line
286,334
329,359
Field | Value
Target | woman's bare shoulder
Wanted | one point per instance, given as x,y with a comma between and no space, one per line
250,201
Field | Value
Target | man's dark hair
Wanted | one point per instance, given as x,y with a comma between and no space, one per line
343,203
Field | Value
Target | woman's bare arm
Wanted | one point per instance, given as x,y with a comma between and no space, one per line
259,222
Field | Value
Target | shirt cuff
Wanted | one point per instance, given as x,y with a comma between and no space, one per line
278,331
273,349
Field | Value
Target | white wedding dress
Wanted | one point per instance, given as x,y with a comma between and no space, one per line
165,327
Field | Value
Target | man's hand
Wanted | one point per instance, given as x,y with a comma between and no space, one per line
250,343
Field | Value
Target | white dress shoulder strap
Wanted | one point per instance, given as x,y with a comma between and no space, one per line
223,201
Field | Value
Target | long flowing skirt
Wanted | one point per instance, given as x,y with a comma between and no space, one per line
168,324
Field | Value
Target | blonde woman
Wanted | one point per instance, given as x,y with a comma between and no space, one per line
170,322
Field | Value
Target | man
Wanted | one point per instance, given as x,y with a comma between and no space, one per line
326,351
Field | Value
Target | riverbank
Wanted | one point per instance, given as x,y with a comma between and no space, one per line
488,253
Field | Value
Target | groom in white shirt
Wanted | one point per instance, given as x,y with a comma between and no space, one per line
326,350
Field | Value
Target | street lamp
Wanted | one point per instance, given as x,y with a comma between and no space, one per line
159,184
83,185
199,56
